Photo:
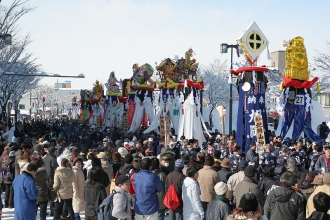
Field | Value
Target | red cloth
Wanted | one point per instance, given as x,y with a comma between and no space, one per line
298,83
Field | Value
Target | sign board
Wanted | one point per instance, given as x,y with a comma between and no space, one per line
260,132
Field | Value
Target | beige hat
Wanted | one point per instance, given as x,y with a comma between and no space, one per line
123,152
220,188
102,155
318,180
326,178
225,163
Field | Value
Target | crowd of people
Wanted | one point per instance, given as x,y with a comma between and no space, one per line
107,174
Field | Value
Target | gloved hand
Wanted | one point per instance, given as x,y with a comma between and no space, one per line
202,217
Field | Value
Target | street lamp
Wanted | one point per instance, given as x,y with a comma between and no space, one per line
224,49
43,74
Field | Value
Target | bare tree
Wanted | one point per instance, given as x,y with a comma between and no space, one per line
322,63
322,60
216,91
14,59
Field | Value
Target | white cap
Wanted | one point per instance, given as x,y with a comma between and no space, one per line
150,139
123,152
125,143
45,142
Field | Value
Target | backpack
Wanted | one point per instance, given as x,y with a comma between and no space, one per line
105,208
8,173
171,199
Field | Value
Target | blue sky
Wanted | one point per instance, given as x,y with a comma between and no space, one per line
96,37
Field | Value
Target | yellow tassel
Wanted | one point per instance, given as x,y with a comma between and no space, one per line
281,86
318,87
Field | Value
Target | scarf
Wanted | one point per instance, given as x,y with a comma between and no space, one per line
221,198
326,160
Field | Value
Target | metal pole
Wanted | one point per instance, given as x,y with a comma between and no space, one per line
30,105
201,102
231,93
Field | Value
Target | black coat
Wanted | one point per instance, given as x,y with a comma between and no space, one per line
319,216
284,203
266,183
92,193
50,165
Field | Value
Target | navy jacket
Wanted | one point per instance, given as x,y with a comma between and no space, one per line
147,185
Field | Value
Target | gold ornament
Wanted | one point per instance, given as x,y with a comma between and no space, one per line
318,87
296,60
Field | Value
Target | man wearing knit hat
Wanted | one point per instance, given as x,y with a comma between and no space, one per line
219,208
179,177
249,184
283,202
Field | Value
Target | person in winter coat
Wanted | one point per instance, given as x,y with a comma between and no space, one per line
147,185
94,193
26,194
323,162
248,208
78,201
116,162
323,188
106,166
8,175
192,205
249,184
51,163
41,179
225,172
207,178
251,156
63,180
96,164
176,214
162,176
235,179
24,162
321,203
283,202
121,199
219,208
306,189
268,181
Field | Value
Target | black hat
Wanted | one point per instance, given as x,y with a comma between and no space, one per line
249,171
51,150
249,202
217,154
123,179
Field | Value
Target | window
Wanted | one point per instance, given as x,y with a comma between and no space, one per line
21,106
